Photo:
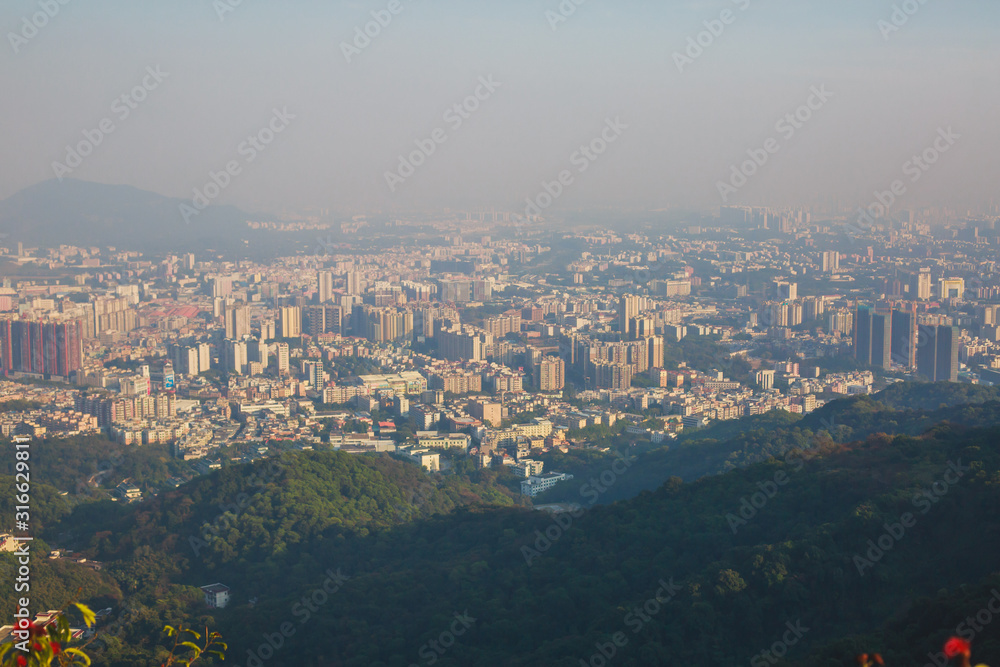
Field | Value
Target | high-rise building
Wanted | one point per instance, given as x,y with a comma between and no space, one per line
281,357
655,346
841,321
921,287
813,308
937,353
765,379
904,337
257,352
237,321
189,361
628,308
551,374
612,375
314,320
881,353
43,348
463,345
313,371
268,330
863,322
831,261
786,291
353,282
325,280
291,322
235,352
204,357
640,328
112,314
222,286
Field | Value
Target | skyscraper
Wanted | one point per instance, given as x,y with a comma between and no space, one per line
551,374
281,354
921,287
325,280
904,337
831,261
353,280
237,322
628,308
291,322
947,354
655,352
235,353
43,348
863,323
937,353
881,353
315,320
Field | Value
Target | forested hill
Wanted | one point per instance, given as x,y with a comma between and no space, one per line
741,574
904,408
733,559
242,516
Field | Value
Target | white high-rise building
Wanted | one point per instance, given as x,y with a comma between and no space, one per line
325,280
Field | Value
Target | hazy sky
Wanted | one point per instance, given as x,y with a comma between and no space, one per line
610,59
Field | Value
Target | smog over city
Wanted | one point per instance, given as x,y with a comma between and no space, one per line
567,332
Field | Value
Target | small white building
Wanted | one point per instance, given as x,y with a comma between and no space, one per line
216,596
425,458
528,468
537,484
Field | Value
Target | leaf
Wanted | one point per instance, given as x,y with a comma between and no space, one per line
89,617
75,652
169,630
192,646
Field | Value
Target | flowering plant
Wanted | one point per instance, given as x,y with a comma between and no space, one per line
953,648
46,644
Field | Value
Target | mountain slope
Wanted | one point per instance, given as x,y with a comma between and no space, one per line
738,555
92,214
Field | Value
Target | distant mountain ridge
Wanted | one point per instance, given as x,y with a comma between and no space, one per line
83,213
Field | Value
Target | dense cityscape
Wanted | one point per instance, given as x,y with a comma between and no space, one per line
561,333
493,345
